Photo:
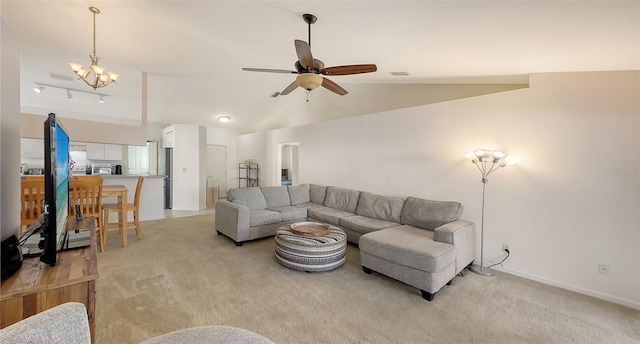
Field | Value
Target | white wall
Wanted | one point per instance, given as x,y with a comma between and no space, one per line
189,167
9,132
572,201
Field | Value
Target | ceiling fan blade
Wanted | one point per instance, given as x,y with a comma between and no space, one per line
333,87
351,69
269,70
289,88
304,54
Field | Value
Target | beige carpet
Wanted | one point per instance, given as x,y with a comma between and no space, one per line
181,274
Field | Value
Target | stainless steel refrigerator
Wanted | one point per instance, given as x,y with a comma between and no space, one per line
165,167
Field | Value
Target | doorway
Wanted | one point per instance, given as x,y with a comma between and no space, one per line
288,163
216,174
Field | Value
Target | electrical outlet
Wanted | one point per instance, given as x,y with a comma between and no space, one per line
505,247
603,269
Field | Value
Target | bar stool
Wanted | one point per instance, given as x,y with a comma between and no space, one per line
134,207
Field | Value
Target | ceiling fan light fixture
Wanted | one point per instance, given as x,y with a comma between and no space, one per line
309,81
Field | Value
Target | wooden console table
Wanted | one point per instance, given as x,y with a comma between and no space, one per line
38,286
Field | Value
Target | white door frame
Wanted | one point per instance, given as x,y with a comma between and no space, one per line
278,174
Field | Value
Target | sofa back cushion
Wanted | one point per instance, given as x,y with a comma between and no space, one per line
429,214
380,207
276,196
299,194
317,193
251,198
342,199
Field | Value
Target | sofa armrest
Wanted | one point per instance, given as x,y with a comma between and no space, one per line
232,220
461,235
65,323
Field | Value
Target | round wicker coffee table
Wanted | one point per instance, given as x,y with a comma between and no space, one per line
311,253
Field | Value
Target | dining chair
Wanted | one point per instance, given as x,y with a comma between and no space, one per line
87,193
124,223
32,202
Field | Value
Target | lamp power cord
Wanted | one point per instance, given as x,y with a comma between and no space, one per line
502,261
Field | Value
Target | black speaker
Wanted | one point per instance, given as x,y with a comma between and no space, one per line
11,256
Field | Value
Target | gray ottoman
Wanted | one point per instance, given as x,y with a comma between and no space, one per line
311,254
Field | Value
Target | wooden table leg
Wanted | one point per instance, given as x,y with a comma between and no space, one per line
123,216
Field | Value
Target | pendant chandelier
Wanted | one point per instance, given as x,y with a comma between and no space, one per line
100,78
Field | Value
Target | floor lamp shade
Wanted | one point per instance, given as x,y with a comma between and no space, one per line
487,161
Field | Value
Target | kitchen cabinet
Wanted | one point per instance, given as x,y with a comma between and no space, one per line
32,148
167,139
101,151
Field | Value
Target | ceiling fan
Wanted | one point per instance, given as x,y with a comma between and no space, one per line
310,71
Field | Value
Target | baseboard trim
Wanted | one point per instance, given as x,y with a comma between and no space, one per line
593,293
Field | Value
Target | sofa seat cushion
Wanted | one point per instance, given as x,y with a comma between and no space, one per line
409,246
291,213
342,199
363,224
264,217
327,215
429,214
380,207
251,198
275,196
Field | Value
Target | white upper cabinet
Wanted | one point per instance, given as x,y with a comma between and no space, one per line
31,148
101,151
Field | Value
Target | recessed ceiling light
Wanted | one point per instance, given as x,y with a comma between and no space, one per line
224,119
399,73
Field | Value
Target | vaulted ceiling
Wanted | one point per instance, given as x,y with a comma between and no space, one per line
193,51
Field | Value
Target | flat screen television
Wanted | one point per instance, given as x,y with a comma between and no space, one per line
56,188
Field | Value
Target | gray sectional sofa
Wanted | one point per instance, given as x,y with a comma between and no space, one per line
420,242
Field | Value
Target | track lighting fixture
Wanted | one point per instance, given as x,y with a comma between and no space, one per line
40,87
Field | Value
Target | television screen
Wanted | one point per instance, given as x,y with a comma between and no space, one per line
56,188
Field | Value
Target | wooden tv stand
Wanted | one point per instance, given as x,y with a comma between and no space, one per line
38,286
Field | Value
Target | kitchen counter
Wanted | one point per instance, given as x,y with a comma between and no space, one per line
151,196
119,176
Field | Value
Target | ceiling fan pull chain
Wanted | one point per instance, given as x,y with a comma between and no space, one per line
308,91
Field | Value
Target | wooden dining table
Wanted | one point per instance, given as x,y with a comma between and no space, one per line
119,191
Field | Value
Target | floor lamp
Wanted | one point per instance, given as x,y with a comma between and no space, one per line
487,161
